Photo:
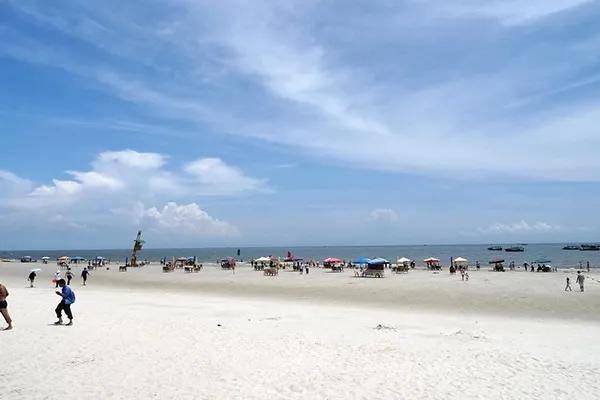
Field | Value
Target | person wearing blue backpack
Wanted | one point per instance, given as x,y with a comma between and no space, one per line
68,298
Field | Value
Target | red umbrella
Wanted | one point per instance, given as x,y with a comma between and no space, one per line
332,260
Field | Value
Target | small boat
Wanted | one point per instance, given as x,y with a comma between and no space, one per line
495,248
589,247
571,247
515,249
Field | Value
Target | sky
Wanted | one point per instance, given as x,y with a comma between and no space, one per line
282,123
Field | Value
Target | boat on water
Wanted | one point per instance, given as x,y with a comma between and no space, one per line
572,247
589,247
515,249
495,248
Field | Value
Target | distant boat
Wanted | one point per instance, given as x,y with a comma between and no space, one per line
571,247
515,249
589,247
495,248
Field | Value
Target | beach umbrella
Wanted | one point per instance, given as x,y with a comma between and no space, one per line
45,258
403,260
263,259
431,260
36,270
460,260
496,260
377,261
361,260
332,260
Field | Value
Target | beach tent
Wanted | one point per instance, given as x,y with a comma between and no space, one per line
542,261
403,260
332,260
361,260
77,259
262,259
461,261
431,260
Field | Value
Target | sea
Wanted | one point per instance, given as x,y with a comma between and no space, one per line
552,252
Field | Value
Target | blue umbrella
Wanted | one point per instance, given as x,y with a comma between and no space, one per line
378,260
361,260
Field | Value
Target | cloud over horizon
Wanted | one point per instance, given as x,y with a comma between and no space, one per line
129,186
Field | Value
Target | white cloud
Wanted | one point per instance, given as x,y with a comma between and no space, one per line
11,184
215,176
519,227
128,187
95,179
129,159
383,215
187,218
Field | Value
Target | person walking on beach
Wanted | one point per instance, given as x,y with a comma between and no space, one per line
477,265
69,276
568,287
4,307
580,279
84,275
31,278
57,278
68,298
307,268
588,266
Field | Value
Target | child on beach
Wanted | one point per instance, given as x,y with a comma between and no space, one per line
68,298
4,307
568,287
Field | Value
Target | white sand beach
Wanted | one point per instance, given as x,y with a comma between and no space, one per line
215,335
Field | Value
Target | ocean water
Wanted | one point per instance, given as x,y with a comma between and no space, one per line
553,252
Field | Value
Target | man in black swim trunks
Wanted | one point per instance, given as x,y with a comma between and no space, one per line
4,306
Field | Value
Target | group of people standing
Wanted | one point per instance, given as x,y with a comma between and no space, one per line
66,294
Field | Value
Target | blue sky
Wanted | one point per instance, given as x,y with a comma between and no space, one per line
297,123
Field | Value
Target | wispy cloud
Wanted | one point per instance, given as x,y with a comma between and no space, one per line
382,91
383,215
519,227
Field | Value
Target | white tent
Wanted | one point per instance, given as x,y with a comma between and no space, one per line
461,260
262,259
403,260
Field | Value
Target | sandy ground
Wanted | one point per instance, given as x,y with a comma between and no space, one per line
214,335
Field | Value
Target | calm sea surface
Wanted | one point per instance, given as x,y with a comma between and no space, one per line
553,252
